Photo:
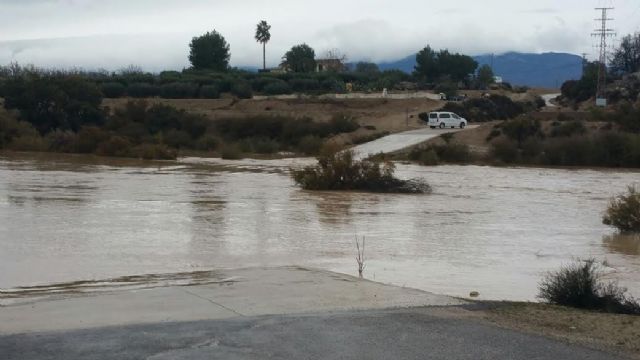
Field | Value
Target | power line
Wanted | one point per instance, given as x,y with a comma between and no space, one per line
604,33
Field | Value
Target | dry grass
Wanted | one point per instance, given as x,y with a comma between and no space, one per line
610,332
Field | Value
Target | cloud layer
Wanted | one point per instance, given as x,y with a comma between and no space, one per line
155,33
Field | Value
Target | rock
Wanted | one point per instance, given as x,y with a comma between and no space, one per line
474,294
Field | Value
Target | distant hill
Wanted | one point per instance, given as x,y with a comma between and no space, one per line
539,70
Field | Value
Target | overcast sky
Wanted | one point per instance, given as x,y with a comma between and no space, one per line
155,34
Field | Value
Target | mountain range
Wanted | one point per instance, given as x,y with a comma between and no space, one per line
548,70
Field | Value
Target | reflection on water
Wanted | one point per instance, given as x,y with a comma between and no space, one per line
623,244
492,230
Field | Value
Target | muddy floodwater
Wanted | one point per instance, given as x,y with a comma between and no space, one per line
491,230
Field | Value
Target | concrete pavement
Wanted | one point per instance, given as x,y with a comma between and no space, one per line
270,313
399,141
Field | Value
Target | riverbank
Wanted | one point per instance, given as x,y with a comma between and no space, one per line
247,313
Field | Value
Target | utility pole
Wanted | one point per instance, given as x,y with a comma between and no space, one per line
584,61
603,33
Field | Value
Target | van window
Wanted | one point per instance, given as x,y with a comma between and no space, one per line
445,116
433,116
456,117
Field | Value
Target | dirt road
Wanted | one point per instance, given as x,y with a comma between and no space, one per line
403,140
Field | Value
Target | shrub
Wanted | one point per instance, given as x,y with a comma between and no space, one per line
521,129
453,153
29,143
505,150
89,137
259,145
624,211
567,129
207,143
304,85
580,285
209,92
177,138
113,90
179,91
277,88
153,152
142,90
62,141
342,123
117,146
242,90
231,152
310,144
340,171
429,158
495,107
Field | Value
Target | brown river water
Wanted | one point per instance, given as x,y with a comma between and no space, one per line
485,229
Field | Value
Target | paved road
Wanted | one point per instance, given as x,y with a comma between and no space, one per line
400,141
386,334
548,97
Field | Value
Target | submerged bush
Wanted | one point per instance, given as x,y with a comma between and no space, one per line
340,171
624,211
580,285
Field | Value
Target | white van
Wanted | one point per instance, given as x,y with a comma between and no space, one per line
446,120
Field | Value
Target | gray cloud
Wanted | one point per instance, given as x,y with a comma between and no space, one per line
155,33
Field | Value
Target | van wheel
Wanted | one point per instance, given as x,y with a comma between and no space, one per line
442,126
462,125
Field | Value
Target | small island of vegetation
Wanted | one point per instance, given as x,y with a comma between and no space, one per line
340,171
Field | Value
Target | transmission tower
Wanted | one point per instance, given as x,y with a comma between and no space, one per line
603,33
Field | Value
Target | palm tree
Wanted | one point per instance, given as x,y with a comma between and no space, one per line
263,36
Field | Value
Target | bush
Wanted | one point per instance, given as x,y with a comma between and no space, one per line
179,91
277,88
113,90
342,123
505,150
117,146
242,90
304,85
153,152
62,141
340,172
624,211
231,152
142,90
310,144
567,129
259,145
522,129
580,285
495,107
209,92
207,143
429,158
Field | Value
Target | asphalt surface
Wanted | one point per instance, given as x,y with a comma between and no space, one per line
378,334
400,141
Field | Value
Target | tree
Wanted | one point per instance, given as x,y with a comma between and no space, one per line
626,59
367,68
485,76
301,58
210,51
426,64
431,66
263,35
585,88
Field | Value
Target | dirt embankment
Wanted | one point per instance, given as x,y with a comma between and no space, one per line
384,114
609,332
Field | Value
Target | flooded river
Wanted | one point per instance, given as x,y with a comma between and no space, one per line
491,230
